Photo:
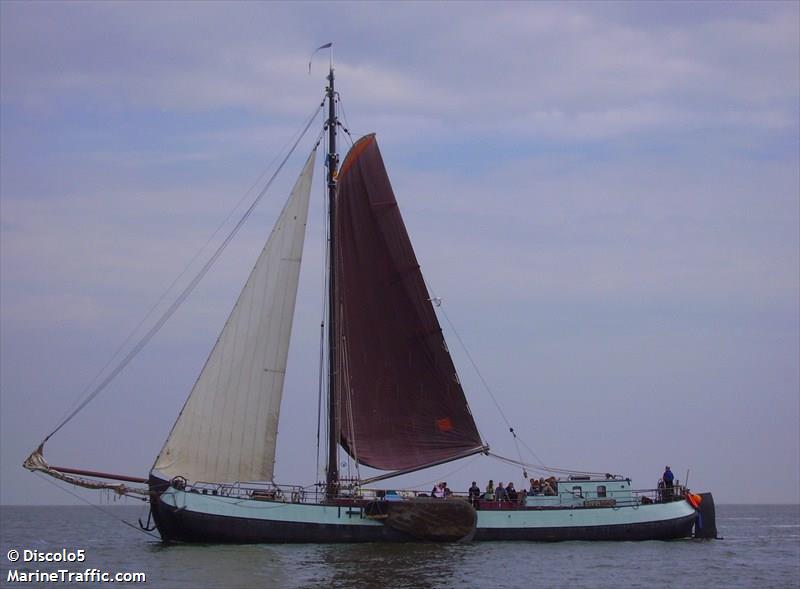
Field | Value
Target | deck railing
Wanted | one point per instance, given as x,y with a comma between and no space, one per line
354,495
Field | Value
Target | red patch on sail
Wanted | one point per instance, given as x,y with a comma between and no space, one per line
444,424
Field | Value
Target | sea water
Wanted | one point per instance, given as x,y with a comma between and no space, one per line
761,548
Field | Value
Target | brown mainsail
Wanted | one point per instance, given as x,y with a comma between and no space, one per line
400,403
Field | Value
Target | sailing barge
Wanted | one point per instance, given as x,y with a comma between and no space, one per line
394,403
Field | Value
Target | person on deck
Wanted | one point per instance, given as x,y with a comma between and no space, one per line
668,478
489,495
501,493
438,491
474,493
512,493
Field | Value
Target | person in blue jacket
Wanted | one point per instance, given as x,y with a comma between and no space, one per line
668,479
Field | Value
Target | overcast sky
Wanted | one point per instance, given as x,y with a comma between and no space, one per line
606,196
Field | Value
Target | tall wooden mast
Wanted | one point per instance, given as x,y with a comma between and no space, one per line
332,478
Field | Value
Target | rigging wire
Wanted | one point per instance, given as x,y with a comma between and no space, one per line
145,339
98,507
444,476
517,440
319,394
351,460
352,445
482,379
344,114
322,324
177,279
548,469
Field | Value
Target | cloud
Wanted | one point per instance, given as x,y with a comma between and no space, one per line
667,231
524,62
606,195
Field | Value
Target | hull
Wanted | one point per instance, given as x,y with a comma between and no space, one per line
191,517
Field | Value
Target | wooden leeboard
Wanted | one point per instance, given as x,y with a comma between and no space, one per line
437,520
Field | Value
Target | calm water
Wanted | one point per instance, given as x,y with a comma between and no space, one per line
761,548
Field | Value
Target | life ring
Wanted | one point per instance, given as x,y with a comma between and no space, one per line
694,500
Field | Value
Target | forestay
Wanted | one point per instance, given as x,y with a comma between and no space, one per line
228,427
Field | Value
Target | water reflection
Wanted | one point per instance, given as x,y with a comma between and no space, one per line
377,566
364,566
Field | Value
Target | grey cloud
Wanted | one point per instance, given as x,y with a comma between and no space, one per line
606,196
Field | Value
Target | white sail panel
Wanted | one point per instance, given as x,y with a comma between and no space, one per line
227,430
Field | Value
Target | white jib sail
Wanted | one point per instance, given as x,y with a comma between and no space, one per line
228,427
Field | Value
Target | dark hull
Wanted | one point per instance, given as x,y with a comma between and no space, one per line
213,529
189,526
